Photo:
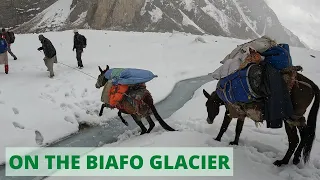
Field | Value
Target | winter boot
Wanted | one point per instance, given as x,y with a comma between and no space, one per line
6,69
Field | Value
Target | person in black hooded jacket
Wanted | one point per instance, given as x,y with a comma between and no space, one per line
79,43
49,52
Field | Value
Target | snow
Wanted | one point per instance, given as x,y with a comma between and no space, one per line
259,147
186,21
54,15
36,110
81,19
216,14
156,14
189,4
251,24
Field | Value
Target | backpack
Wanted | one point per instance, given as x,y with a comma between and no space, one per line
260,44
3,45
279,56
11,37
83,40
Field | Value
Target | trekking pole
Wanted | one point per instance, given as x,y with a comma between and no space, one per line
77,70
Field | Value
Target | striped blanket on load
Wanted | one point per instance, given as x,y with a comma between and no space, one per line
131,101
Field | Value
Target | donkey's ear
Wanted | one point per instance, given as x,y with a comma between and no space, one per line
206,94
100,69
107,68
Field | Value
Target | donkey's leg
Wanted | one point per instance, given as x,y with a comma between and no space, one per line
148,100
239,128
293,139
151,124
224,127
122,119
101,110
140,124
297,154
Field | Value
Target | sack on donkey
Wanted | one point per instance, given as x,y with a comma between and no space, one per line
129,76
235,88
279,56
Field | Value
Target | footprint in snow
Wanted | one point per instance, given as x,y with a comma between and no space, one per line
17,125
15,110
2,102
69,119
85,93
77,115
39,138
47,96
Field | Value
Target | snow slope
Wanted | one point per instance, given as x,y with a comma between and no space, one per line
36,110
55,15
259,147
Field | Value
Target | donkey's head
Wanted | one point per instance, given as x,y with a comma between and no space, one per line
101,81
213,105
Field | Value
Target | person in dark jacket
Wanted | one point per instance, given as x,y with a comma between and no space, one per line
5,35
49,52
79,43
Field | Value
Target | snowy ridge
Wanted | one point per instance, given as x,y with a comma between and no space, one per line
243,19
54,16
186,21
246,19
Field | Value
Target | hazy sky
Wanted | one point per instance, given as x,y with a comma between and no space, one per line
302,17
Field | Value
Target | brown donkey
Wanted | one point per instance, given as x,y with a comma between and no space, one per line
302,94
147,106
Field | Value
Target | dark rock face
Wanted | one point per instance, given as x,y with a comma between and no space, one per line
243,19
16,12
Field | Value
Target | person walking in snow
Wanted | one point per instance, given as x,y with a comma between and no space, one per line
4,54
49,52
79,43
10,38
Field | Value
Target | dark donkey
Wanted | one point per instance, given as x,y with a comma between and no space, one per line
148,107
302,94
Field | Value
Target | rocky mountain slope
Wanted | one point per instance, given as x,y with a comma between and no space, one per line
244,19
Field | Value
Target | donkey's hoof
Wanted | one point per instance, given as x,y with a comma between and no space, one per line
296,160
143,132
279,163
234,143
218,139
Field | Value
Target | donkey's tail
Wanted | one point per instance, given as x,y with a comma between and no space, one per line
149,101
312,121
159,118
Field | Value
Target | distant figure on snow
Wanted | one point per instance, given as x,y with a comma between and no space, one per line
49,52
10,38
4,54
79,42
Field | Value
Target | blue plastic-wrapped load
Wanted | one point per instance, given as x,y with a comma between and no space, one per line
129,76
236,88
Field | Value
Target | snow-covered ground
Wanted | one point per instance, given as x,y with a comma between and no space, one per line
36,110
253,158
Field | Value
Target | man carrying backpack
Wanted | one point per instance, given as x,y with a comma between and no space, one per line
10,38
79,43
4,54
49,52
